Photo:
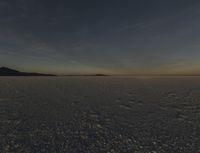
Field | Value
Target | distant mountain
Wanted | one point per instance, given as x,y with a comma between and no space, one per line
101,75
86,75
4,71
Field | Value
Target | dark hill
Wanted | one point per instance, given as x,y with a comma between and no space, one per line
4,71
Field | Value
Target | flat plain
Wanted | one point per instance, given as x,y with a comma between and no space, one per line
100,114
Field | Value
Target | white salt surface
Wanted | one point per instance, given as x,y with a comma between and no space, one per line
100,114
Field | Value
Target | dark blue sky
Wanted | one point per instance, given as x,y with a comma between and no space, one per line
101,36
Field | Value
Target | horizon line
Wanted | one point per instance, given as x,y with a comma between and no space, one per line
105,74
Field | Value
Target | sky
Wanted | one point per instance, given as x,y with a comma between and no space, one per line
134,37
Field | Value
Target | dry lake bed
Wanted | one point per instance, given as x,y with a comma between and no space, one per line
100,114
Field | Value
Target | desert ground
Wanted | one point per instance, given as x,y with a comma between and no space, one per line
100,114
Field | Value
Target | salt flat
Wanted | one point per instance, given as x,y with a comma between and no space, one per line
100,114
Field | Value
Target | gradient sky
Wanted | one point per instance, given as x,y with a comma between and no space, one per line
101,36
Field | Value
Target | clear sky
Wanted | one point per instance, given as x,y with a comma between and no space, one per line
101,36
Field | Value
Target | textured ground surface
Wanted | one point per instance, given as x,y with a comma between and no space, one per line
99,114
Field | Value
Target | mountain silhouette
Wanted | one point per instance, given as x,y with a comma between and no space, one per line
4,71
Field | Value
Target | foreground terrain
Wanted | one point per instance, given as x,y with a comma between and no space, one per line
99,114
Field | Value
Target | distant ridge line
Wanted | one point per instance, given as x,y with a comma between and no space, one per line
4,71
